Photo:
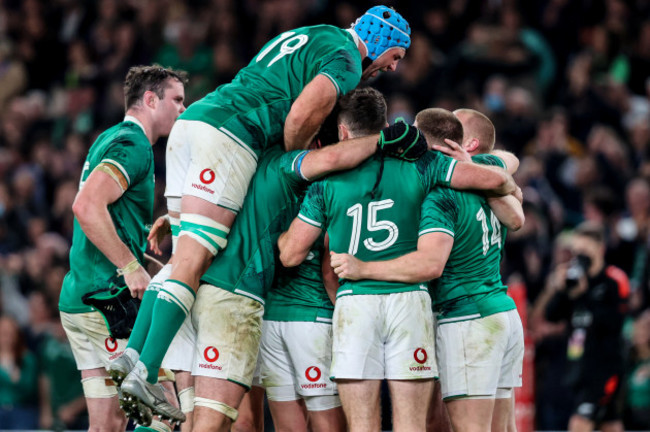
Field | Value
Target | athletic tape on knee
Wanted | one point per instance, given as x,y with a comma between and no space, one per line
178,293
155,426
224,409
98,387
322,403
209,233
176,230
186,399
166,375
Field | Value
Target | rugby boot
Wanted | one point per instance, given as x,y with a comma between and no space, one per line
119,368
142,400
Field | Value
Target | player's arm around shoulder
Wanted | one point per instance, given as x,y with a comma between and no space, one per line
338,157
496,180
295,243
508,210
425,264
308,112
90,207
511,161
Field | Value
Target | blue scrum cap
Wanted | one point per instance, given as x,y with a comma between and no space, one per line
382,28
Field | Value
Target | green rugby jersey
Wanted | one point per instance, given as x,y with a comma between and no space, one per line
247,266
126,147
253,107
298,293
375,228
470,286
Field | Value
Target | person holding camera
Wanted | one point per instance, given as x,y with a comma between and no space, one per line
592,297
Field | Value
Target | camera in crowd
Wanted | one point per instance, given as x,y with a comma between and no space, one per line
578,267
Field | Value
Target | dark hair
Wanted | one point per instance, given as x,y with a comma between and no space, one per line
154,78
363,111
592,230
438,124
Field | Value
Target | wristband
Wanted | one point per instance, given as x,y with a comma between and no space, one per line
129,268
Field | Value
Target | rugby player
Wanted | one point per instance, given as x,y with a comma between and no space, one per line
285,92
296,347
228,312
383,330
479,337
112,210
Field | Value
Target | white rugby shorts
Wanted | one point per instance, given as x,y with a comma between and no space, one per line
207,163
92,345
229,330
480,356
295,360
387,336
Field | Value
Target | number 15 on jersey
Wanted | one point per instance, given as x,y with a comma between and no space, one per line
373,224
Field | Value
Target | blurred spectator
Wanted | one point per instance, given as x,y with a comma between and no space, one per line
591,297
637,397
535,43
63,405
553,402
185,51
516,122
18,379
13,76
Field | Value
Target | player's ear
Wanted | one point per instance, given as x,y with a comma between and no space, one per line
472,145
344,133
150,99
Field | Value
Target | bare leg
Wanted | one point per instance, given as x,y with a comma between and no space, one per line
251,412
503,415
329,420
437,417
289,416
512,423
104,414
410,399
215,389
471,415
360,399
191,259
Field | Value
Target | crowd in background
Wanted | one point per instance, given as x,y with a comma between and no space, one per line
566,83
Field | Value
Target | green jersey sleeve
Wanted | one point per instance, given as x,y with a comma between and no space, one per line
343,69
132,160
436,169
312,210
489,159
290,164
439,212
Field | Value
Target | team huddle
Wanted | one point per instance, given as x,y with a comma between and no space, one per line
316,251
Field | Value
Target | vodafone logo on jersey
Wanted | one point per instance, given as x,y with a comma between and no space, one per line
420,355
110,344
207,176
312,373
211,354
